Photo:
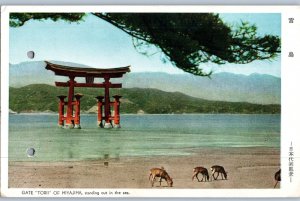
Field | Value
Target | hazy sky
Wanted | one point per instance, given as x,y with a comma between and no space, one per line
97,43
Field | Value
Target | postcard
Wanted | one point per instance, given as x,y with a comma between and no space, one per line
150,101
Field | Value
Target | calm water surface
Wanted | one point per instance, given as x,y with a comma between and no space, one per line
140,135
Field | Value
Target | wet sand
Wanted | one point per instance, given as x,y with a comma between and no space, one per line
246,167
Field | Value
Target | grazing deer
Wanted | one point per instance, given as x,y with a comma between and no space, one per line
201,170
218,169
150,176
277,177
162,173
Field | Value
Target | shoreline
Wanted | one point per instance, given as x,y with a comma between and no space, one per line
82,113
246,167
193,152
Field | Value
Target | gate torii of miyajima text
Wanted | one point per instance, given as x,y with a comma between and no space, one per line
73,121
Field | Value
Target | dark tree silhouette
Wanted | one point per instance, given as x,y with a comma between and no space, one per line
185,39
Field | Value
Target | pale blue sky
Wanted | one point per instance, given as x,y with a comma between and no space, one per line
97,43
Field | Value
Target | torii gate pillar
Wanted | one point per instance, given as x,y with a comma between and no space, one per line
107,113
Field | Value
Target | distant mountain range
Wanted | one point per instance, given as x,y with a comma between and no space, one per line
255,88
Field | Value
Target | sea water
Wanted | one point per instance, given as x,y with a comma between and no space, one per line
139,135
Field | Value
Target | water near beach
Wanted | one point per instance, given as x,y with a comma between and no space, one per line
140,135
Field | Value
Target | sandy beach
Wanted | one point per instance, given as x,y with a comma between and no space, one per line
246,167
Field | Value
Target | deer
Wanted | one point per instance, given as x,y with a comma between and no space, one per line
201,170
218,169
277,177
162,173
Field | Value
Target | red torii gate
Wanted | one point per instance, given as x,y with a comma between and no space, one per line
89,74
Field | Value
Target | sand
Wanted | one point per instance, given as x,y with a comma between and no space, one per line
246,167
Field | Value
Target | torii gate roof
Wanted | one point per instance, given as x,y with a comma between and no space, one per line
86,72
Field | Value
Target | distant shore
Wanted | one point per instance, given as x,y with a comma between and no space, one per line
247,168
89,113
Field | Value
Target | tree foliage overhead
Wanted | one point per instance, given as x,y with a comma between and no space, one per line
19,19
186,39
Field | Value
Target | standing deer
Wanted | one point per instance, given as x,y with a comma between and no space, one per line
218,169
201,170
162,173
277,177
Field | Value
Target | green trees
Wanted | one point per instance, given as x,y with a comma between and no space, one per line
185,39
151,101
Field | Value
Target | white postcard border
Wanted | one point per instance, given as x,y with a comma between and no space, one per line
290,126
